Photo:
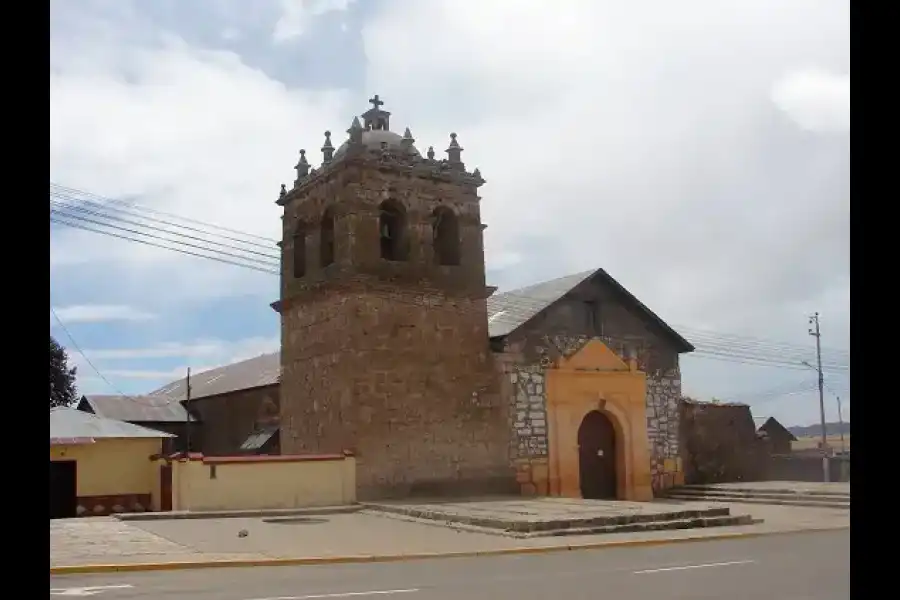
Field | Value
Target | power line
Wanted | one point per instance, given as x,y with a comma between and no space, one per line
81,195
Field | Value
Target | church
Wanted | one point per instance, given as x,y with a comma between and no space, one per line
395,349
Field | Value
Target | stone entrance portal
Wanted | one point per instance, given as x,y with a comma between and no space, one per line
597,456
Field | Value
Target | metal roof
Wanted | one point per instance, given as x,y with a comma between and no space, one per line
138,409
71,423
255,372
506,312
259,438
509,311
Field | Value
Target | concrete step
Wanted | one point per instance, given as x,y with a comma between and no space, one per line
755,490
713,517
766,495
673,524
715,498
534,526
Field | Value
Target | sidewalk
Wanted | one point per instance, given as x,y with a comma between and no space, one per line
356,536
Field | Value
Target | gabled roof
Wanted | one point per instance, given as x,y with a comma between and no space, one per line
773,427
70,424
138,409
255,372
510,310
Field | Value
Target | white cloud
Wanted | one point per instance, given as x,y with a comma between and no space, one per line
816,100
189,131
99,313
296,16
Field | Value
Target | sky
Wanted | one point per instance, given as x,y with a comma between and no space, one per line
697,150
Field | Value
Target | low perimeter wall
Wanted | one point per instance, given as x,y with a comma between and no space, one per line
262,482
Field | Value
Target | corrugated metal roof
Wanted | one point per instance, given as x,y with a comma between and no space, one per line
255,372
66,422
136,409
258,438
510,310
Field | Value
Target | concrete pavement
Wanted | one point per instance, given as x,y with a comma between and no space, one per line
789,567
100,541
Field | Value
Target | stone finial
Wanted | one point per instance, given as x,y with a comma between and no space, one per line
302,166
283,192
430,153
476,173
408,141
327,149
355,132
454,151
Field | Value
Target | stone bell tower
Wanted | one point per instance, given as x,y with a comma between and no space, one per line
385,349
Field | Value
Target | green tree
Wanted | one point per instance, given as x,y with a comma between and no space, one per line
62,378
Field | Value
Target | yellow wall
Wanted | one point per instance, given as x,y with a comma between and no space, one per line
263,482
112,467
596,379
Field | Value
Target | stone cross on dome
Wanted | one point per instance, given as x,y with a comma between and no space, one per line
375,118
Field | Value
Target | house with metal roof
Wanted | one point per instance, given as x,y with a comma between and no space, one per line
100,466
154,412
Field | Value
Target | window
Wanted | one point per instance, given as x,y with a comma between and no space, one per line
326,238
392,231
445,236
299,250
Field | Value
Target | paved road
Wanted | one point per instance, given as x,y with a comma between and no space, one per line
788,567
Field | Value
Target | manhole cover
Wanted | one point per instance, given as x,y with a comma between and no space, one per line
295,520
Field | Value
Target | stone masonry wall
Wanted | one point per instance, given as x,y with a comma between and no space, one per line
403,383
523,368
663,426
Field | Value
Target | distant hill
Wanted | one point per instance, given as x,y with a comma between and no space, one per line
816,430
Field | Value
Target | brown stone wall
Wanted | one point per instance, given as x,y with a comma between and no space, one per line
228,419
719,443
405,382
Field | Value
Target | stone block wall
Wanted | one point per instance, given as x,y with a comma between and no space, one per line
404,382
663,421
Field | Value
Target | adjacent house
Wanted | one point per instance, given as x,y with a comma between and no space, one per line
778,436
162,414
100,466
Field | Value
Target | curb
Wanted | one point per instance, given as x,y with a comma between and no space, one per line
238,514
352,559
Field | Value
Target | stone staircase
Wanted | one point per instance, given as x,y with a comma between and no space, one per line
786,495
668,518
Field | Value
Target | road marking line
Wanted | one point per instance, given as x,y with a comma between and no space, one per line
87,591
688,567
341,595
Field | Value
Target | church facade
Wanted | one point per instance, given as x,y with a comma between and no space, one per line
394,348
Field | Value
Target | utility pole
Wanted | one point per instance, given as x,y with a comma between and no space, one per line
187,414
841,424
816,333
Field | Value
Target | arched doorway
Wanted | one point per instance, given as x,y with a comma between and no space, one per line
597,456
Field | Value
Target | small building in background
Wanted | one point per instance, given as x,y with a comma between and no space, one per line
160,413
778,436
100,466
